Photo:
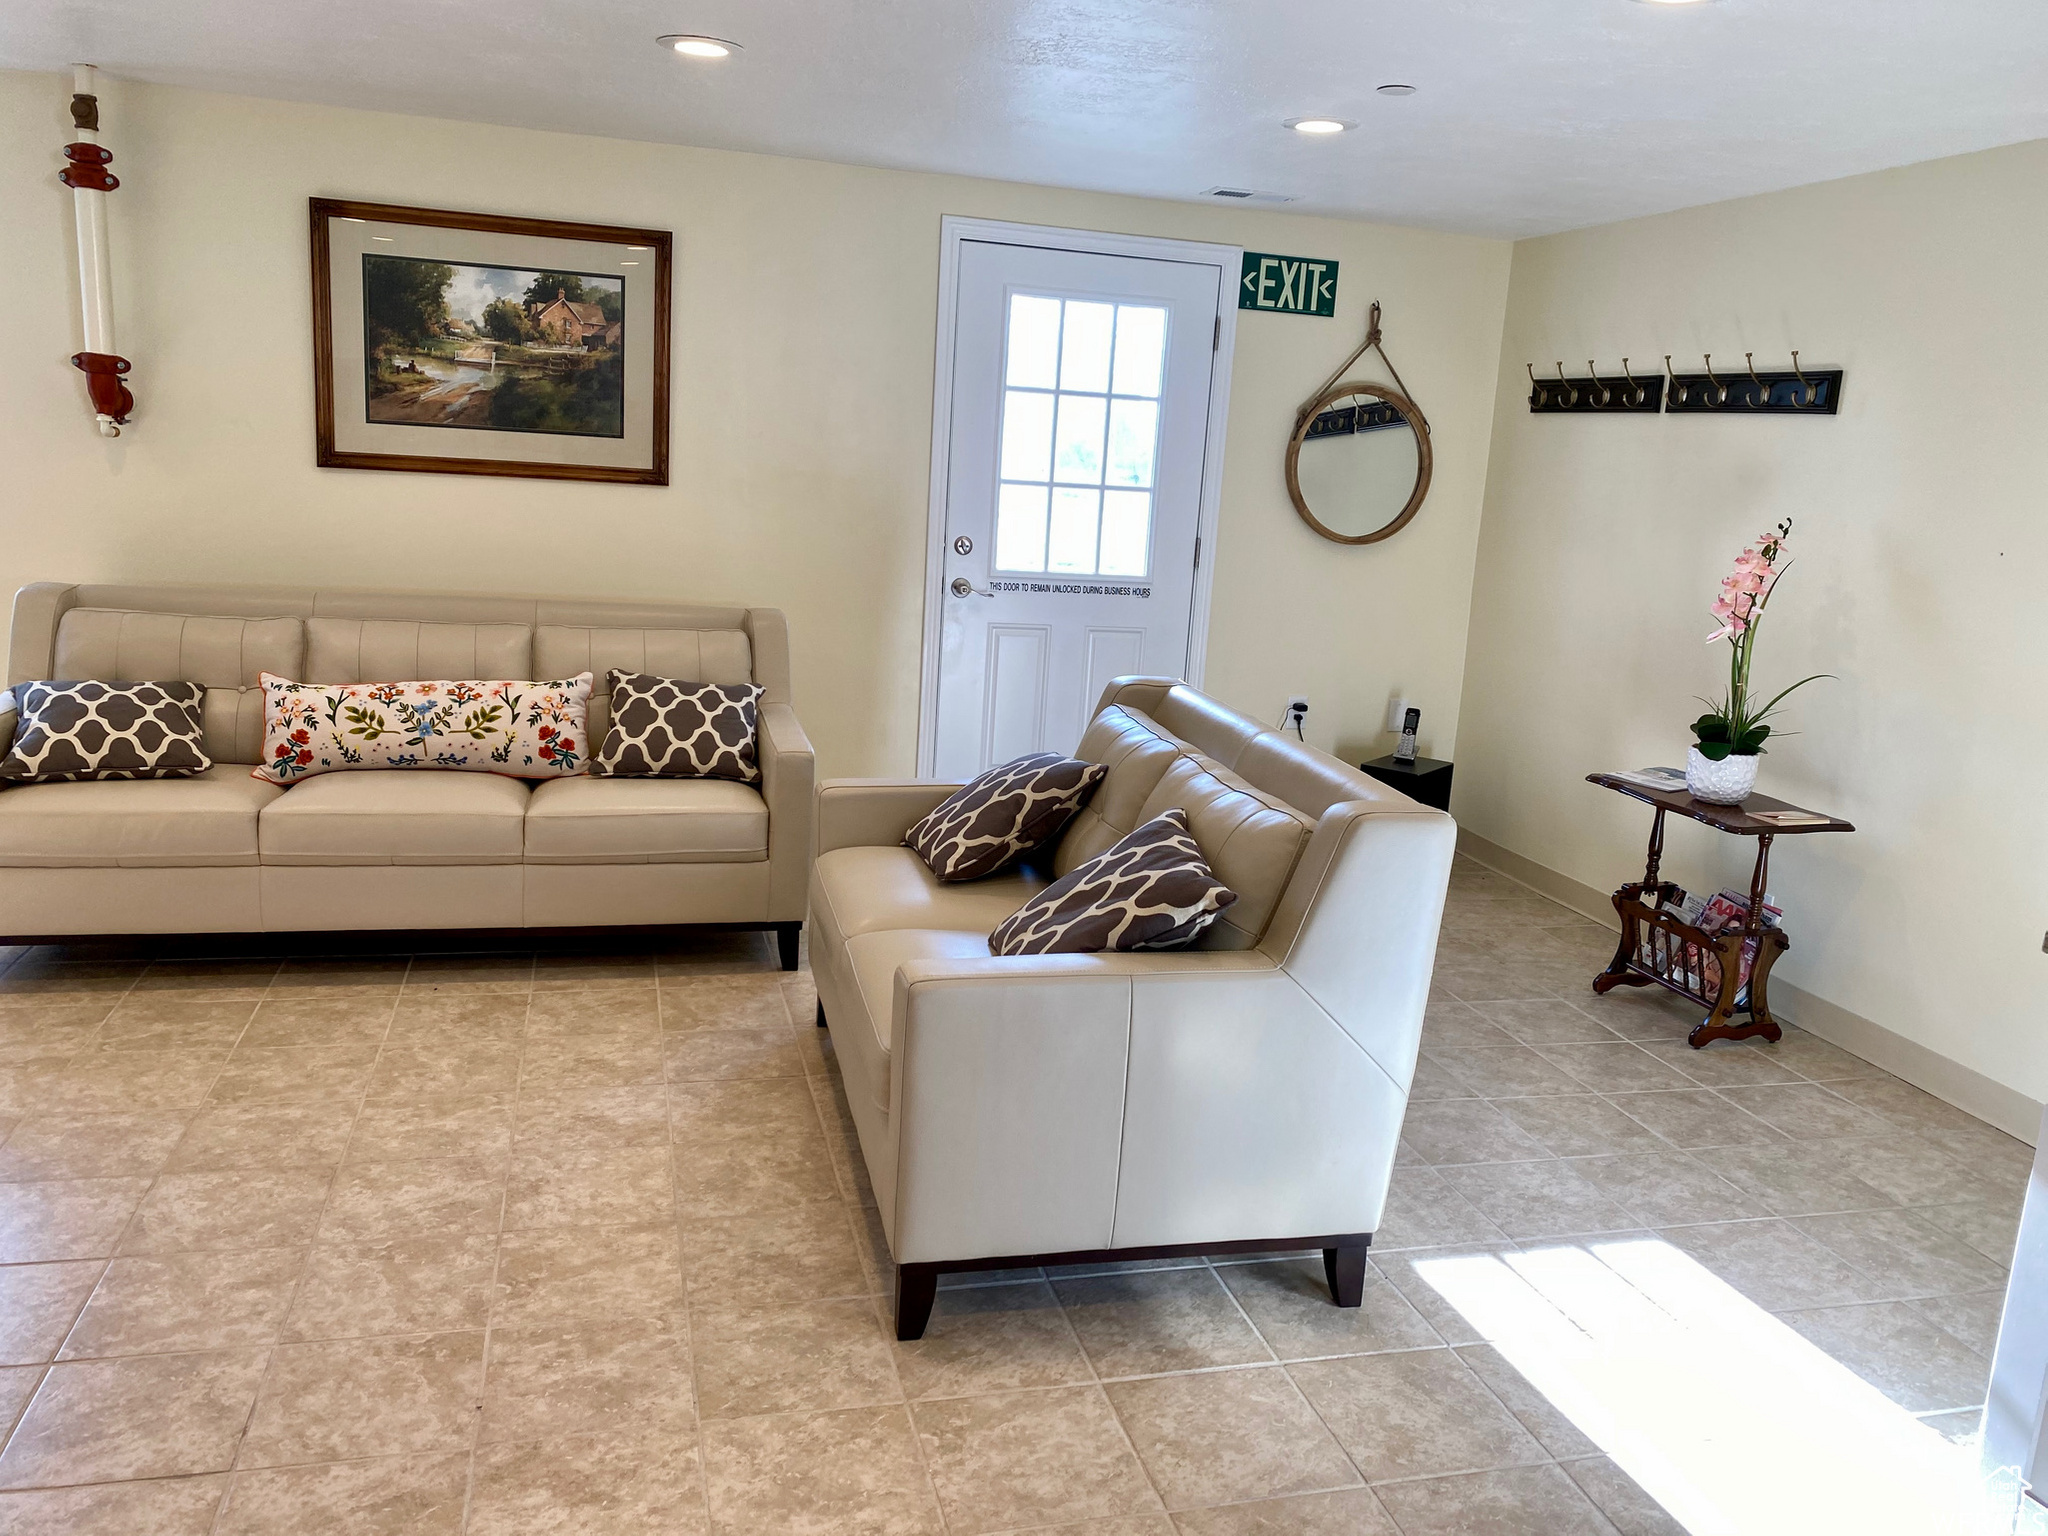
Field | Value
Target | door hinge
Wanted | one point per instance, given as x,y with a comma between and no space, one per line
1198,566
1216,336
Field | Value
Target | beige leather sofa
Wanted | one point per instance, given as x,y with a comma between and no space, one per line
1245,1095
227,853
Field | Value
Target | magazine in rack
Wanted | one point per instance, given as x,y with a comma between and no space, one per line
1714,915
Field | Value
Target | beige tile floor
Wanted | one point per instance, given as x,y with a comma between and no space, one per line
579,1243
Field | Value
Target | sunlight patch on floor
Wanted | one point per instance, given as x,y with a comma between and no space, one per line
1729,1418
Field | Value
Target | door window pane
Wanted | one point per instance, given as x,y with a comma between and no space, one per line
1027,435
1071,547
1084,346
1140,348
1034,342
1080,413
1126,532
1020,528
1133,431
1077,443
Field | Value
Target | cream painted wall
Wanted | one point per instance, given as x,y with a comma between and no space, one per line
1921,579
799,284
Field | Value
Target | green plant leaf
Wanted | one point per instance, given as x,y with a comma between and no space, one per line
1714,751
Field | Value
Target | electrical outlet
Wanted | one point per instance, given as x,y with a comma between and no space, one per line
1298,705
1397,713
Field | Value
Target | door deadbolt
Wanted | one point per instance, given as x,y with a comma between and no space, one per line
963,545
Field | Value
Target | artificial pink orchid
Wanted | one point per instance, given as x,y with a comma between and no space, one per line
1735,725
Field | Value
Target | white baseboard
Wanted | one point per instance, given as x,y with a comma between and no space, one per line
1952,1082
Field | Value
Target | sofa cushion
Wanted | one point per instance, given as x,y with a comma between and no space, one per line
1153,890
711,655
208,819
222,652
646,821
1253,840
665,727
96,730
1002,814
873,959
873,890
396,818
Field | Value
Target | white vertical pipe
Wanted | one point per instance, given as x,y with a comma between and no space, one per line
95,273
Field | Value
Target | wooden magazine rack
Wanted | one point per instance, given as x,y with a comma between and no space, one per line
1658,948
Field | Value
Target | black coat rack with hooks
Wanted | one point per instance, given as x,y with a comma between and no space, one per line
1745,390
1592,392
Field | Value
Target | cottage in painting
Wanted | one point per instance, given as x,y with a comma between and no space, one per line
567,323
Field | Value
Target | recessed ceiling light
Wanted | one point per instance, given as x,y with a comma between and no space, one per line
1318,124
639,247
347,220
1395,90
695,46
387,239
629,263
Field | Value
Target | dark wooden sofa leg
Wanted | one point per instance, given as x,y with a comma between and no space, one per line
821,1015
1344,1266
917,1287
786,936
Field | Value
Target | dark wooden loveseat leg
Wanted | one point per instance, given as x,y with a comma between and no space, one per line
917,1287
821,1015
786,936
1344,1266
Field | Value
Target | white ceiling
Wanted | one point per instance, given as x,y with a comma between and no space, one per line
1531,115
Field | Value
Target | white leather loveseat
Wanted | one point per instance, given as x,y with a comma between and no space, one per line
1243,1095
408,849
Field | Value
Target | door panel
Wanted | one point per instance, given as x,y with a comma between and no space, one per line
1017,657
1074,476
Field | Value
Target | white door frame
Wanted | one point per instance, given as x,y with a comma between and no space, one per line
953,231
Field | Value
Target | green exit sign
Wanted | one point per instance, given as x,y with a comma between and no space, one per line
1288,285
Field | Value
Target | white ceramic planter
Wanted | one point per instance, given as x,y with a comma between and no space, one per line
1727,782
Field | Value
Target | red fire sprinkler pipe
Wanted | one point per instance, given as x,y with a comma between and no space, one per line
90,181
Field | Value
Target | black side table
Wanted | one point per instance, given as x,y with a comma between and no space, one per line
1427,779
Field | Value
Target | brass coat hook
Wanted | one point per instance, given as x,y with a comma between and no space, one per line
1722,397
1571,389
1635,395
1540,391
1678,390
1808,384
1593,378
1763,390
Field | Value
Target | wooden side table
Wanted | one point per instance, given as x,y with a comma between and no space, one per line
1659,949
1425,779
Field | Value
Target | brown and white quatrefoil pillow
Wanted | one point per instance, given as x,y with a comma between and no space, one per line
1151,890
95,730
663,728
1002,815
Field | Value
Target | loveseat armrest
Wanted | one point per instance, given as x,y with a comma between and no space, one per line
1008,1078
10,717
873,813
788,771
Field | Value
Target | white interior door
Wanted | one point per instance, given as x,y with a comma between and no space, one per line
1077,446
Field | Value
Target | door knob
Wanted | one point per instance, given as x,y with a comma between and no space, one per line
962,587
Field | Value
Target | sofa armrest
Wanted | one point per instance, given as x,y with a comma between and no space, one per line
873,813
9,717
1076,1102
788,771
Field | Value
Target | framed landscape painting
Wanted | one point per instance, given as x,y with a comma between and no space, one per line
475,344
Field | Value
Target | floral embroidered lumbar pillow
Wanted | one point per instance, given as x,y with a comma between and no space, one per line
1002,815
665,728
1152,890
93,730
526,730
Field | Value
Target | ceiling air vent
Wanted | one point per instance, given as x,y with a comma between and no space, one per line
1246,195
